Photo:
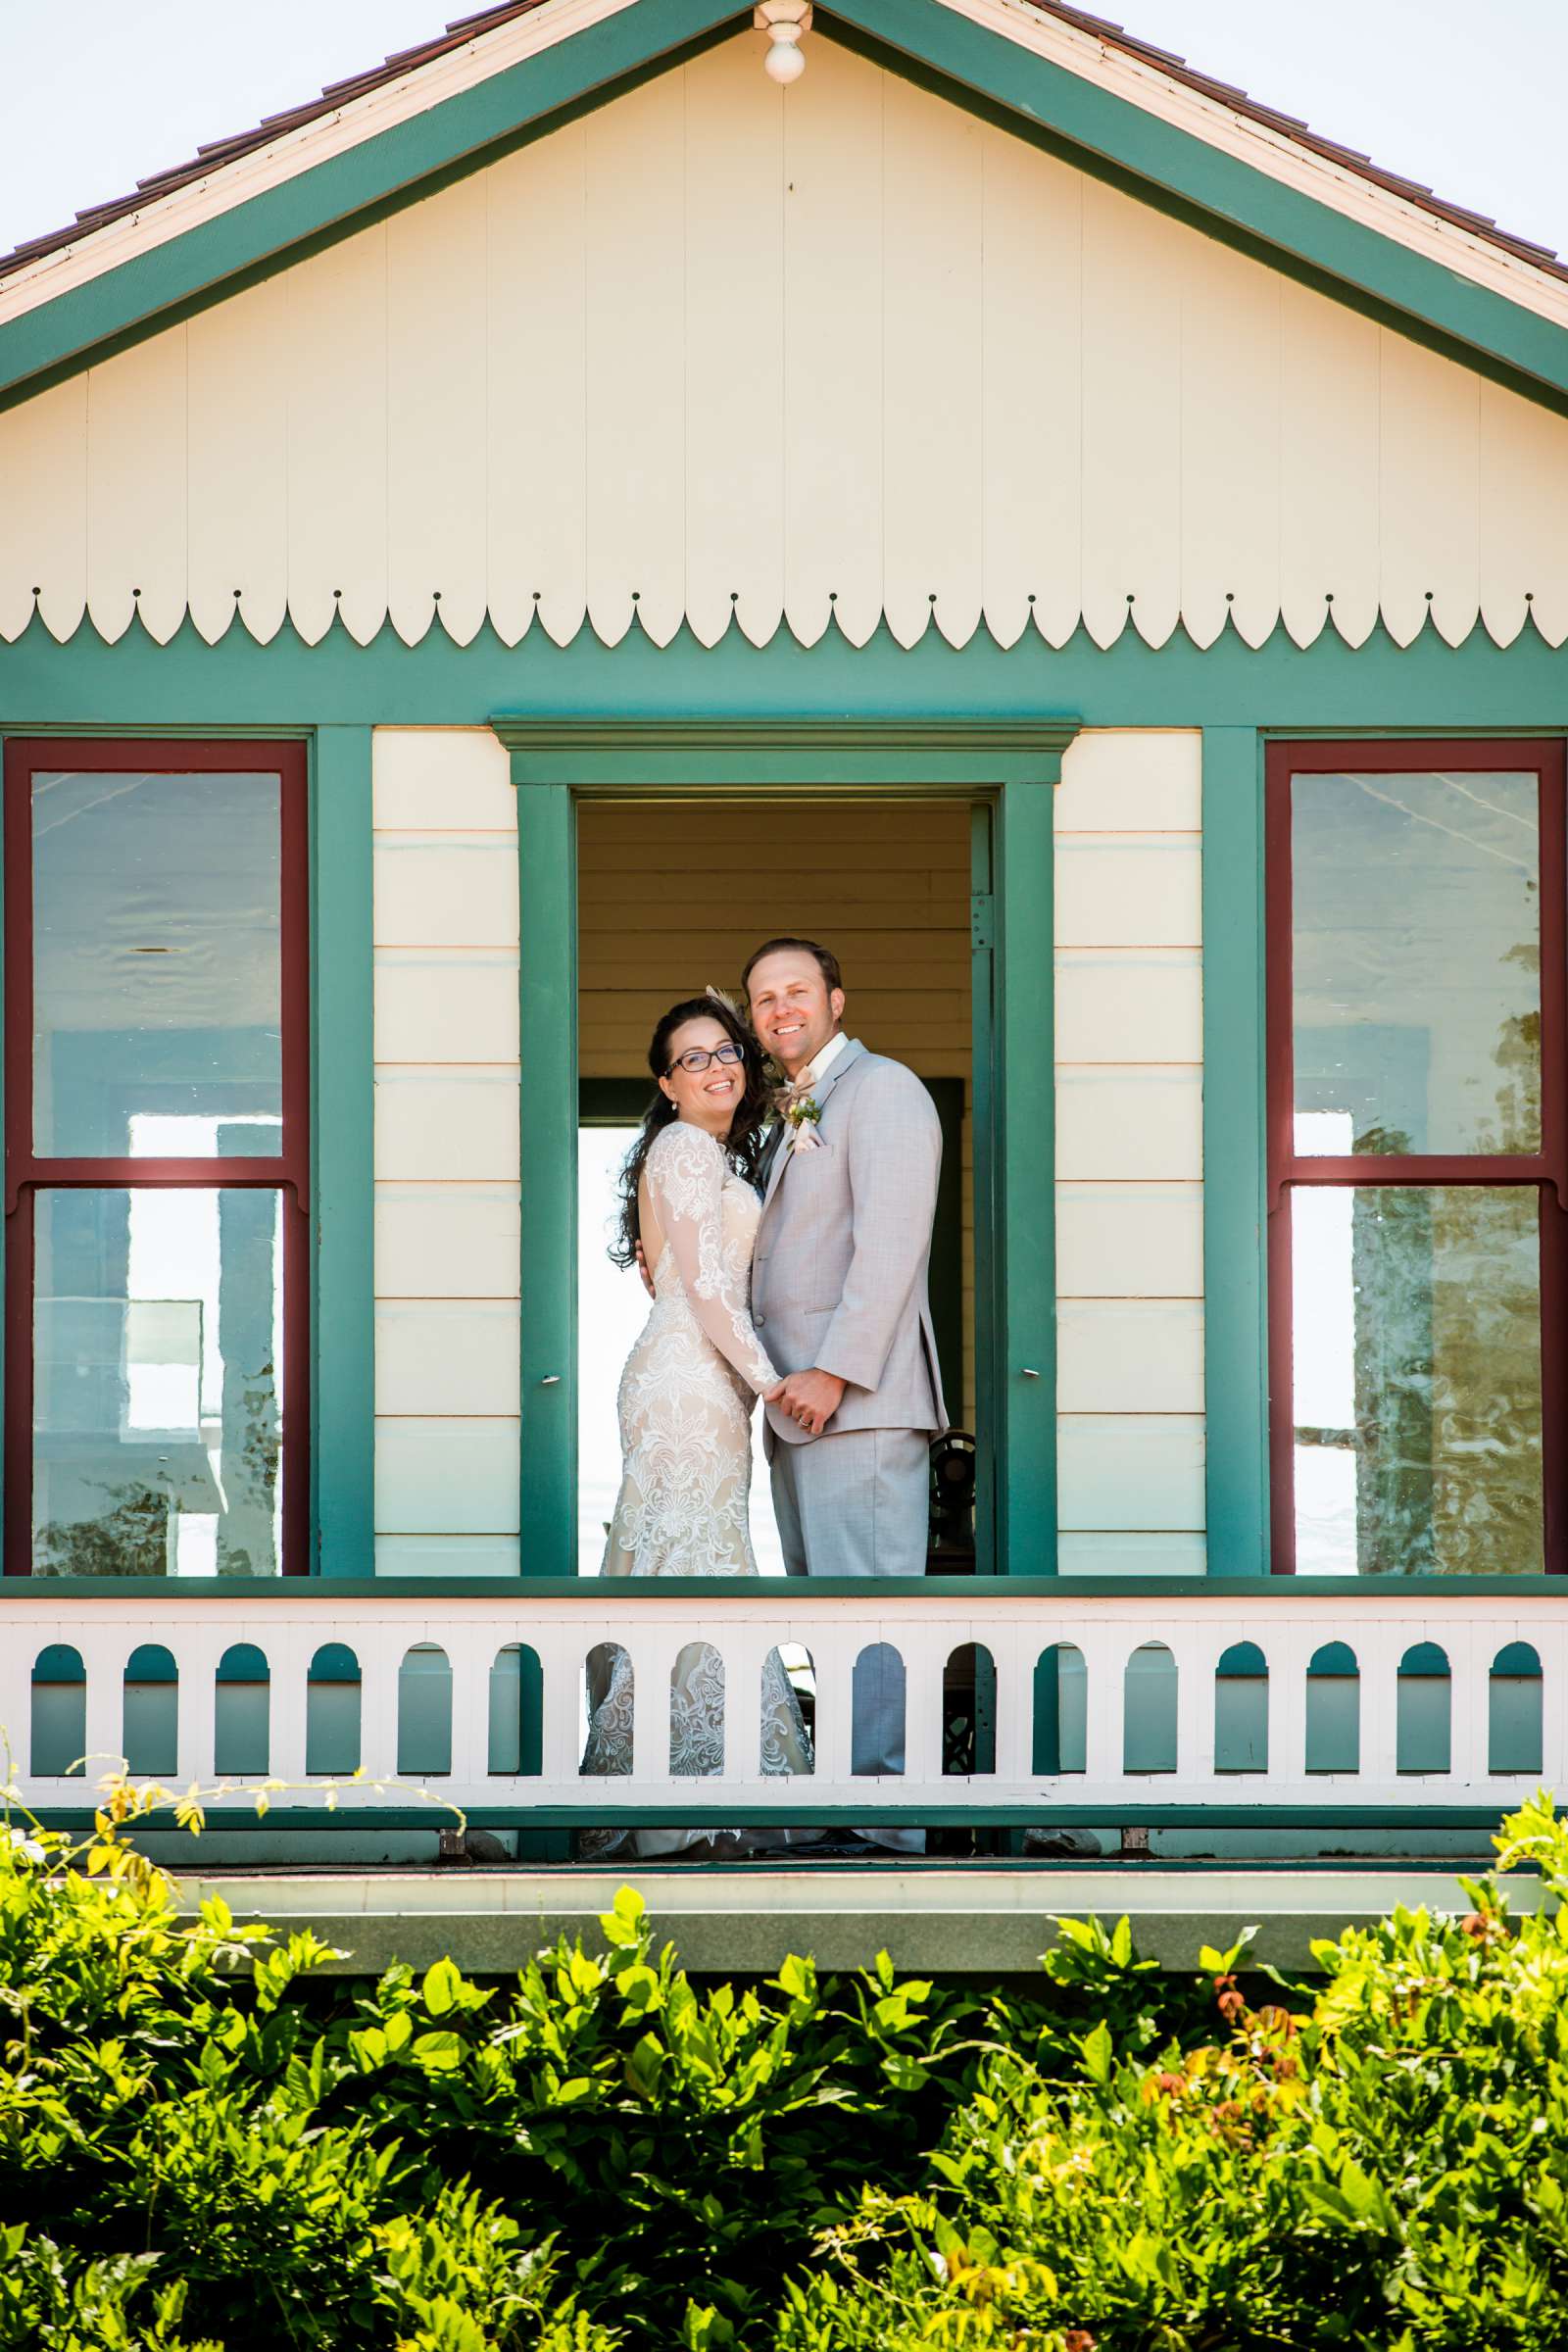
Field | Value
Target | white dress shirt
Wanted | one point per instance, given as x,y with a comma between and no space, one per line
818,1067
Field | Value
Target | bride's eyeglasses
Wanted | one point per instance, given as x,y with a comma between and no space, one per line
698,1059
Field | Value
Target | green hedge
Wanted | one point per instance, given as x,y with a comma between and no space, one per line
202,2148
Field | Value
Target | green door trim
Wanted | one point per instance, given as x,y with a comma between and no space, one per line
1012,764
546,984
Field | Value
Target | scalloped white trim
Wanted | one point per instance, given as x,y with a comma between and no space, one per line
1503,632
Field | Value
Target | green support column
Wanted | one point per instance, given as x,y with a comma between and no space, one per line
1024,1254
546,876
1235,1313
343,1165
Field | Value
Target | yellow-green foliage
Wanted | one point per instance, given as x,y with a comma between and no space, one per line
202,2150
1385,2165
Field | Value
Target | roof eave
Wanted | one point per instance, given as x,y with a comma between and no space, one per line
1233,198
59,335
969,48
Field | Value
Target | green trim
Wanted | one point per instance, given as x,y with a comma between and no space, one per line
652,753
343,1173
1064,1593
243,687
985,1136
547,888
1234,1274
970,1812
1013,761
1110,135
1024,1268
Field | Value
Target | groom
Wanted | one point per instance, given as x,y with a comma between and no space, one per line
839,1294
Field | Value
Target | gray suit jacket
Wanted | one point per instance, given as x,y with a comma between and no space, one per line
839,1279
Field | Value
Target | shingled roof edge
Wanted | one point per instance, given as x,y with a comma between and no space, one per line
218,154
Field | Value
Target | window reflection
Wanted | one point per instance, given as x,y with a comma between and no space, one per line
1416,963
158,1400
157,958
1417,1400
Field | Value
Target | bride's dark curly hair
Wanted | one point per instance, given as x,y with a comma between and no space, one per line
744,1143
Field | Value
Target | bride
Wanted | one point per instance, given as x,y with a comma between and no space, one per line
689,1199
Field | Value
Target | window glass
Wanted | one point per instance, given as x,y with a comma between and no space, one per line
1416,963
157,1404
157,963
1417,1380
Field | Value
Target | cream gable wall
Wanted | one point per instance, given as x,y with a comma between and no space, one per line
723,353
1128,1081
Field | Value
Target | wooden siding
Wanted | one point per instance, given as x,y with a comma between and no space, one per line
446,1155
1130,1155
891,363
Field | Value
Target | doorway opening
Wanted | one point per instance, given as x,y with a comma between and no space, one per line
673,893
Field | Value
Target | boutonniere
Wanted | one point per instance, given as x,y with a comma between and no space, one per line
803,1116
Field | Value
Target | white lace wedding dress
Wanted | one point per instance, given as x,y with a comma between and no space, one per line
685,1407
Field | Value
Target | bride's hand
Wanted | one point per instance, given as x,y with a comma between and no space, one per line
642,1268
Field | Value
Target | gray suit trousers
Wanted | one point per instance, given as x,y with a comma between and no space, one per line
856,1505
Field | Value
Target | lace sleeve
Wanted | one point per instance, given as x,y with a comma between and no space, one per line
686,1171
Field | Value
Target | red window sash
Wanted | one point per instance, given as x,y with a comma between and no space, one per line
25,1173
1546,1169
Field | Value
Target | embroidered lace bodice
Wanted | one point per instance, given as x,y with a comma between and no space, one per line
687,1390
709,1216
685,1407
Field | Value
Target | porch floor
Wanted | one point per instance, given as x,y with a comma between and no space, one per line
978,1918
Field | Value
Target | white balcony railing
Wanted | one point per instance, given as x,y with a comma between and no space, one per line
1314,1701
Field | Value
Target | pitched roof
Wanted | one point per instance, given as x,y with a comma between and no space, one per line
1481,224
216,153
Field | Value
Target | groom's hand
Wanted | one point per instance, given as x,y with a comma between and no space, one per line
811,1398
646,1278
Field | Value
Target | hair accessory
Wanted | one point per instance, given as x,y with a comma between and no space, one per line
719,997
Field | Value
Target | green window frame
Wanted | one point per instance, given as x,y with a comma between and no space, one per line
342,1195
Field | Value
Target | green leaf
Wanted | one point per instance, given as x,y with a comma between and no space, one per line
1098,2053
439,2052
442,1987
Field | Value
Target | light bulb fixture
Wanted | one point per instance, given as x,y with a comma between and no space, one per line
784,22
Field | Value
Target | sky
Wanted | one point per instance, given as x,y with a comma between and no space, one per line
1463,94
